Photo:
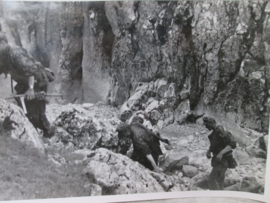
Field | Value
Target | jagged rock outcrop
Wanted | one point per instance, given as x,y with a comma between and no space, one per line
15,124
84,126
159,60
154,101
91,128
69,70
117,174
216,54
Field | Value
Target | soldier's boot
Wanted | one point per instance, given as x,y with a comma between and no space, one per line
48,129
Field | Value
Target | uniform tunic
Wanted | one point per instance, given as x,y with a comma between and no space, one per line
144,143
219,139
16,62
124,138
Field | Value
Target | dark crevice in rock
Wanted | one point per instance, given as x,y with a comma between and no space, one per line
259,59
262,19
104,26
134,43
265,104
248,40
136,11
163,25
108,37
187,28
195,90
161,31
231,9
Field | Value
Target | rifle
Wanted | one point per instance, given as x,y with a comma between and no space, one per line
39,95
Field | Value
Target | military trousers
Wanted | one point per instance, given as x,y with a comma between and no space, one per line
35,109
217,177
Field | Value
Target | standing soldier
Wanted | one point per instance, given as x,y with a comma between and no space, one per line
31,77
221,145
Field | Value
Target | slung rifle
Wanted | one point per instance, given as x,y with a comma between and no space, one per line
39,95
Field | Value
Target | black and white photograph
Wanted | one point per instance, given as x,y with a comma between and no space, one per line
135,101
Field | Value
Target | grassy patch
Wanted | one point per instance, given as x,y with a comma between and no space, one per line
27,174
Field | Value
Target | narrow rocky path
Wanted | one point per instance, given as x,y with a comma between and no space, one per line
192,140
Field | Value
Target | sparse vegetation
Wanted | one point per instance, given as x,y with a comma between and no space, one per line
27,174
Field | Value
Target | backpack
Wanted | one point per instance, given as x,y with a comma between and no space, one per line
230,159
229,155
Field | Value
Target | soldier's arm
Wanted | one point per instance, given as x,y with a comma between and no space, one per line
225,150
152,161
30,94
208,154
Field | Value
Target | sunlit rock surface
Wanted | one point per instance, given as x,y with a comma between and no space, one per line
14,123
215,55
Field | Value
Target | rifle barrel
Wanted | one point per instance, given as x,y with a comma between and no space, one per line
36,95
54,95
15,96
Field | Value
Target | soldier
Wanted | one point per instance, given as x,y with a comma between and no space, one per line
221,145
146,145
31,77
124,138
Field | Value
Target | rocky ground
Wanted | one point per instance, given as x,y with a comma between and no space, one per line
188,143
191,140
162,61
86,138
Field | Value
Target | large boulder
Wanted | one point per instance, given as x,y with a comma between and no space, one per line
242,157
255,151
85,126
173,162
117,174
201,180
262,142
95,190
189,171
249,184
15,124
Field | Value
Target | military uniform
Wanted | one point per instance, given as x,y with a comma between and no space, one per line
219,139
16,62
124,138
144,143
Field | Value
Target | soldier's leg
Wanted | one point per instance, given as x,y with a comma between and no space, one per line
216,178
222,178
213,179
44,124
137,156
32,111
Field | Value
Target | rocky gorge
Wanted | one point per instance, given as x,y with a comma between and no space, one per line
160,60
90,130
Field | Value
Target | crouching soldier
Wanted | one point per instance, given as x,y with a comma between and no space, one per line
221,146
31,77
146,145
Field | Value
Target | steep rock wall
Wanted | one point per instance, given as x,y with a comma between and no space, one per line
215,52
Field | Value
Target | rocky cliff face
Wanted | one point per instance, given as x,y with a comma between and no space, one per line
214,56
